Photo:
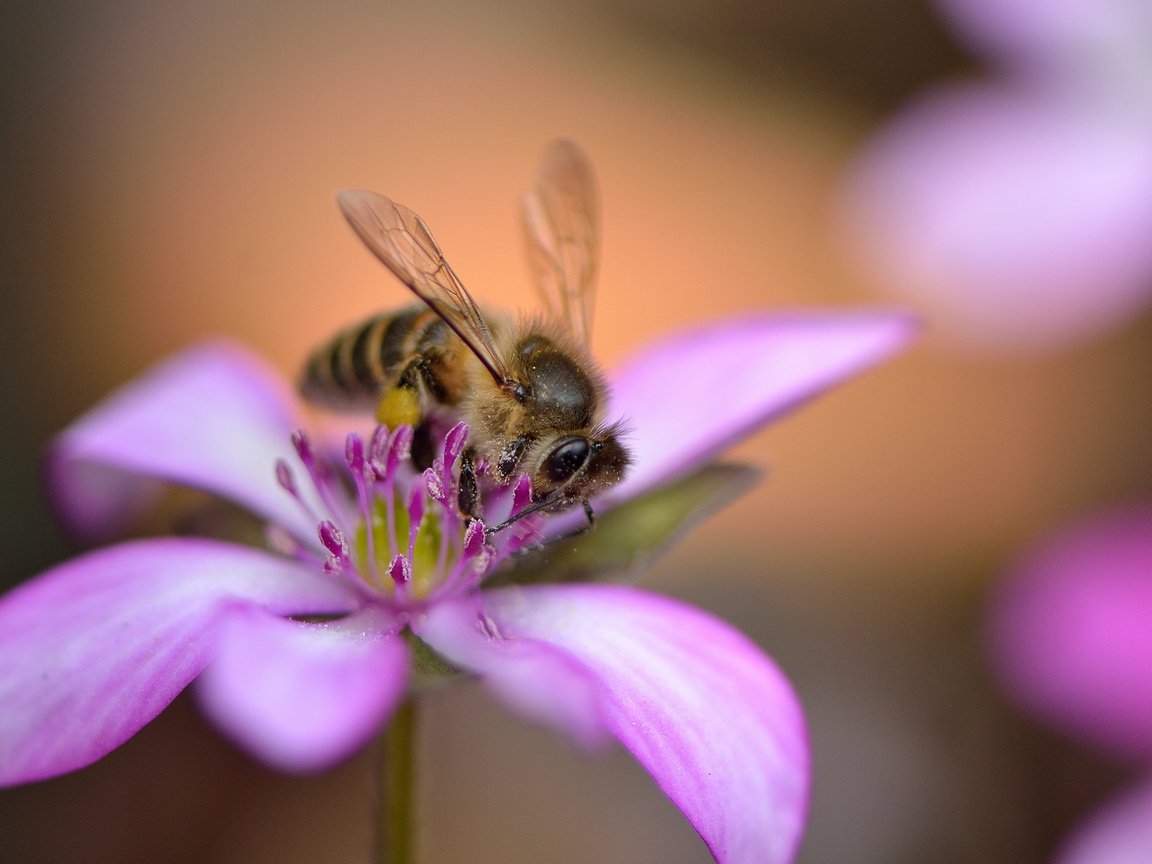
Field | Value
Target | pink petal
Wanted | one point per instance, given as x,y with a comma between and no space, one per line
691,396
303,697
1050,33
700,707
1071,632
213,417
95,648
514,670
1120,833
1019,218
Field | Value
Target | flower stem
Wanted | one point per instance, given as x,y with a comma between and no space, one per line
396,830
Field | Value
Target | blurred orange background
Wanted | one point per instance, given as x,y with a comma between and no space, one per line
171,177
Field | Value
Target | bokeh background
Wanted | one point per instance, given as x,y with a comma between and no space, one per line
170,171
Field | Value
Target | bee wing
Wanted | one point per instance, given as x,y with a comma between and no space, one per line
400,239
561,218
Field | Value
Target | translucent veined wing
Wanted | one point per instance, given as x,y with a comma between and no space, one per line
561,218
400,239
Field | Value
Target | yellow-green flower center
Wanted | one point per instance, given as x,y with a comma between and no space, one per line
431,557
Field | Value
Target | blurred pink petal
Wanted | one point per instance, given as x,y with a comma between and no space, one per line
302,697
532,677
1120,833
700,707
95,648
1072,632
1049,32
213,417
688,397
1016,217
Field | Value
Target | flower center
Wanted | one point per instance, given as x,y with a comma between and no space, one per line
398,531
389,517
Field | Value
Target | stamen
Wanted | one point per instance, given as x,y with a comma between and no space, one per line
454,443
474,559
362,477
287,480
523,520
354,453
401,571
434,486
284,477
415,516
316,471
522,497
474,538
388,451
438,493
333,539
522,505
303,447
378,447
399,448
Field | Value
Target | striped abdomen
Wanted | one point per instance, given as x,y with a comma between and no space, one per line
361,363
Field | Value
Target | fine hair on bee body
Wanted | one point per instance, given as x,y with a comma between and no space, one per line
528,387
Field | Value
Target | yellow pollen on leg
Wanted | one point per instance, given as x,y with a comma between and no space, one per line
400,406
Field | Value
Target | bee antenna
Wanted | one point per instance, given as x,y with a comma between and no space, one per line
534,507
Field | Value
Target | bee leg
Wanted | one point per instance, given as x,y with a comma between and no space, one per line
468,498
589,513
424,446
511,455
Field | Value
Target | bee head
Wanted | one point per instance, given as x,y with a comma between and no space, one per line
577,467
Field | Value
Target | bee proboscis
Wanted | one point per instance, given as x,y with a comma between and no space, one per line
528,389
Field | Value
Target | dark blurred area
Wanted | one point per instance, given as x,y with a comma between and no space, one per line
170,176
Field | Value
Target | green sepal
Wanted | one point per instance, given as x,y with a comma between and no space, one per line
429,667
631,536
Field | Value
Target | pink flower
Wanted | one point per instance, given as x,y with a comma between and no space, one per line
1017,208
302,650
1071,633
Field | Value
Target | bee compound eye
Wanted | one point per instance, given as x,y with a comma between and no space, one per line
566,459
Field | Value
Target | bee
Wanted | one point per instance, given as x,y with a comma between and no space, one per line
529,389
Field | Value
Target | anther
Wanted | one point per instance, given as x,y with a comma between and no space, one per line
333,539
399,447
303,447
284,477
400,570
454,443
354,452
378,449
522,496
378,453
474,537
434,486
